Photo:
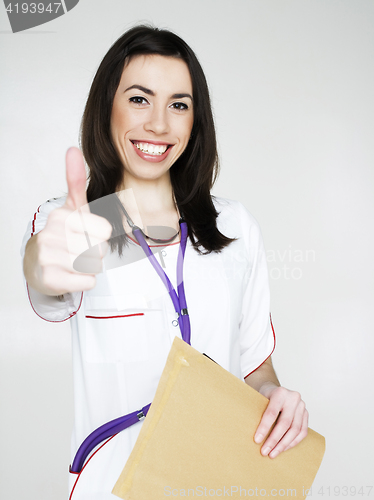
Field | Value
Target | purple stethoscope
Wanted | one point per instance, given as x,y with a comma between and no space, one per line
180,305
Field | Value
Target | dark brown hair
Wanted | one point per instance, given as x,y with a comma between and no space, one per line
194,172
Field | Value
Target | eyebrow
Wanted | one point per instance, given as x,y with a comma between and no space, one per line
150,92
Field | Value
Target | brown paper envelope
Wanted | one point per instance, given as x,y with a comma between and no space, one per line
197,439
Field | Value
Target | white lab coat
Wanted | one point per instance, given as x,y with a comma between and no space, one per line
122,330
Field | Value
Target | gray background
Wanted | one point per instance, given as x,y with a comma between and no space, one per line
292,89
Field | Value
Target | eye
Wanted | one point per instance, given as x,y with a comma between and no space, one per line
138,99
180,106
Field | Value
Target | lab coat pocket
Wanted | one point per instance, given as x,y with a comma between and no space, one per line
114,336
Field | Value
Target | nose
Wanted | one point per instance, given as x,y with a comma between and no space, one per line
157,120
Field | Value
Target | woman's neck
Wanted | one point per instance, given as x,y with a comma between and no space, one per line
150,203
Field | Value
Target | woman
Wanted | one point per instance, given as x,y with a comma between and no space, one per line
148,135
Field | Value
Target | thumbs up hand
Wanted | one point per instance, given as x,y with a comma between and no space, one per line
70,232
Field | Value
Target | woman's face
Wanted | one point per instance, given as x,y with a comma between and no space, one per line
152,115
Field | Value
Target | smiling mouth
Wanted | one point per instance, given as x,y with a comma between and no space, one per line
152,149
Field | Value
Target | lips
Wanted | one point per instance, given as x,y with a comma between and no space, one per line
153,151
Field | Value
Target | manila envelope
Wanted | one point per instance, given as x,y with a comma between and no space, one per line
197,439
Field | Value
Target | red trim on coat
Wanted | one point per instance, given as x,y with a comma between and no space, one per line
51,320
111,317
33,221
272,327
79,473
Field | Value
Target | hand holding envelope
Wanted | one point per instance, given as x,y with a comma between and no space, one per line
199,434
286,410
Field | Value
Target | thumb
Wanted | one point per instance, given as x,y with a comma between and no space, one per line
76,179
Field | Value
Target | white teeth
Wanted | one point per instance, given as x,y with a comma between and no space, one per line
151,148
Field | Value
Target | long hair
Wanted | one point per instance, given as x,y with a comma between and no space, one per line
194,172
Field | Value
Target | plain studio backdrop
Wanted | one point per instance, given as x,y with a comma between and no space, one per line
292,91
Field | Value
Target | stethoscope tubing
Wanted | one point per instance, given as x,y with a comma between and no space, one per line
103,432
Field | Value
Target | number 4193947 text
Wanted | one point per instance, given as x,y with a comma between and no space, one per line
33,8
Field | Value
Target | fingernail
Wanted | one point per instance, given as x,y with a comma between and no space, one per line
258,438
274,454
266,451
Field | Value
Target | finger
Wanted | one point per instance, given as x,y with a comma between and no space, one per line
303,433
293,431
88,231
284,421
89,262
270,416
59,282
76,179
283,424
80,282
61,249
95,226
55,257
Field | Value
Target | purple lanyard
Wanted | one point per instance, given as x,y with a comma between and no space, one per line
180,305
179,301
